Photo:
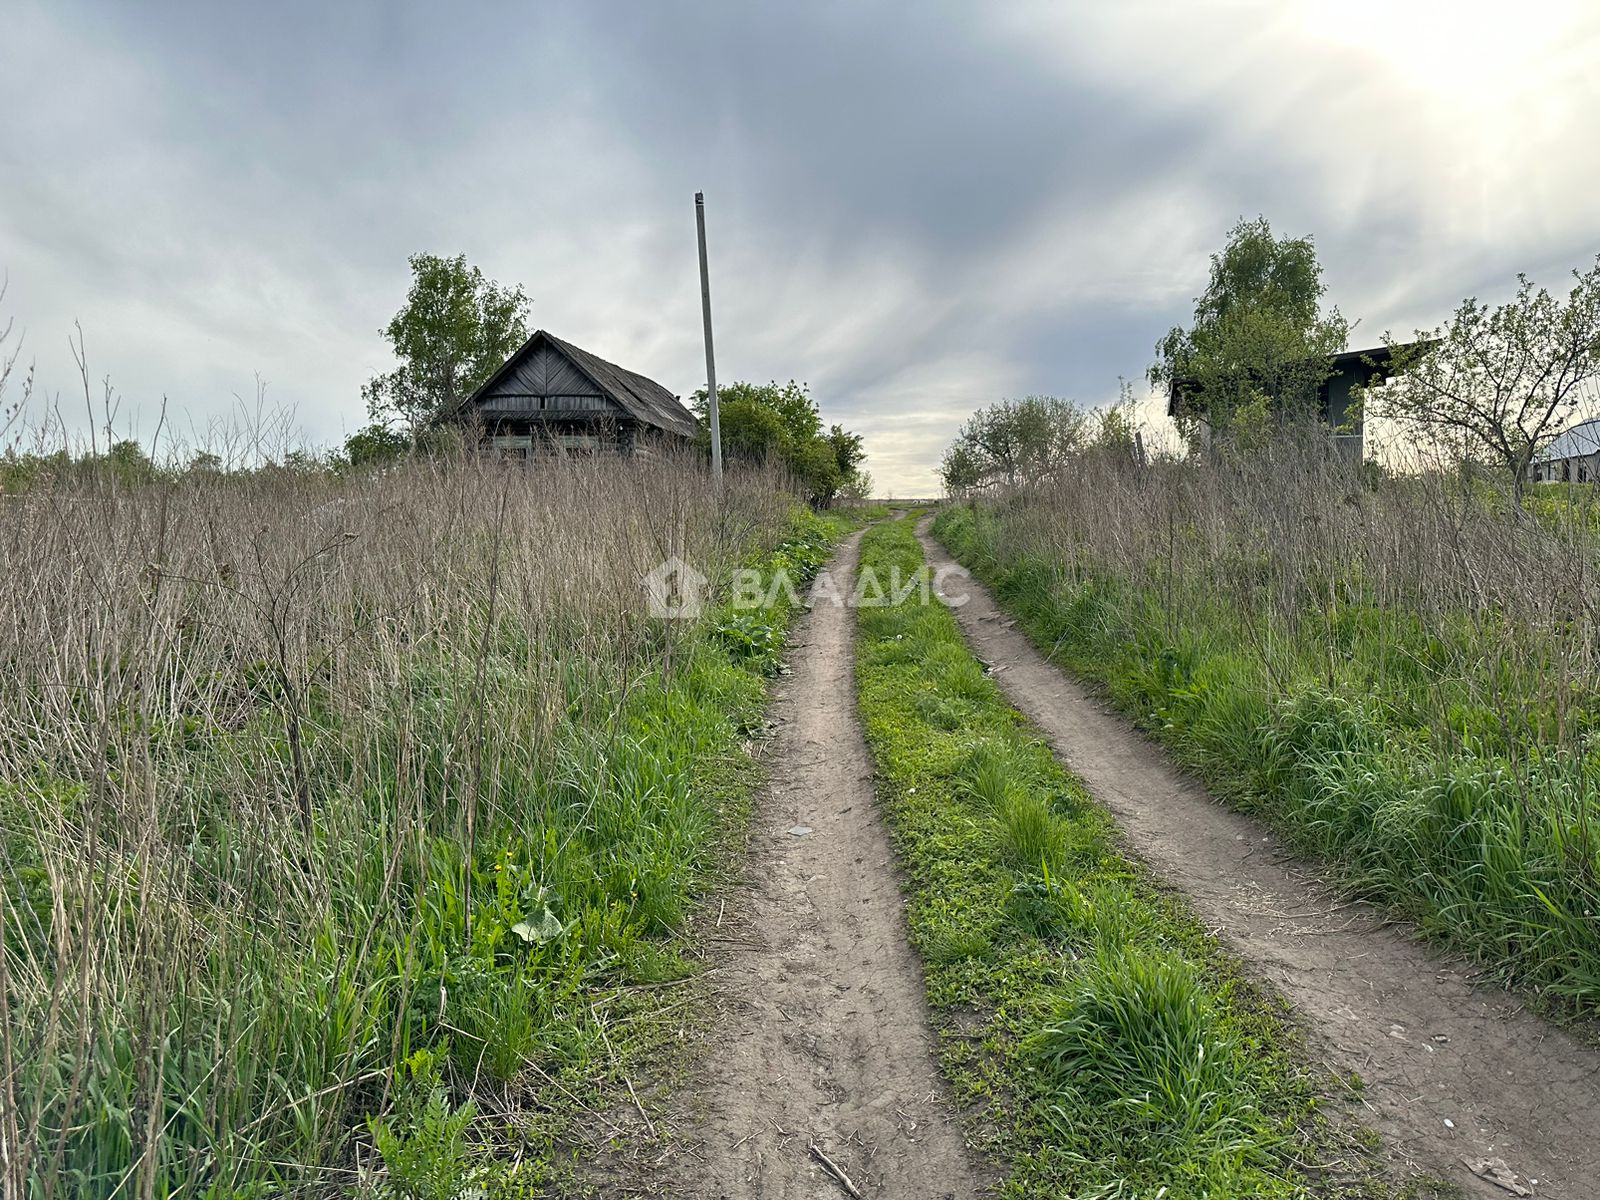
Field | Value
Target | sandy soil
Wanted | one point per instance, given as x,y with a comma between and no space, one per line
1455,1072
823,1032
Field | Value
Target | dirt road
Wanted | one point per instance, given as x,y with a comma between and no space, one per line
823,1033
1454,1072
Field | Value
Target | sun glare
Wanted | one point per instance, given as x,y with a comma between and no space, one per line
1469,53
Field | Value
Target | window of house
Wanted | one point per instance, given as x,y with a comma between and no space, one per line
510,445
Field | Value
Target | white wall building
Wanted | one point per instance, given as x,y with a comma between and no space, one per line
1574,456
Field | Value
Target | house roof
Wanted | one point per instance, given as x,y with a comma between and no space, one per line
645,400
1578,441
1378,356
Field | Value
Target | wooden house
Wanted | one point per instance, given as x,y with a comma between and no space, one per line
554,397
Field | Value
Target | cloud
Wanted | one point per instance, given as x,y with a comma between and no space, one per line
918,209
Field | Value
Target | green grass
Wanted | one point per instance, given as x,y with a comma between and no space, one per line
1105,1043
1433,762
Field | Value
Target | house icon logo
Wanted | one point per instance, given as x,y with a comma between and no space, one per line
674,590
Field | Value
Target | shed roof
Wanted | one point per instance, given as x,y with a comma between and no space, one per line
1578,441
645,400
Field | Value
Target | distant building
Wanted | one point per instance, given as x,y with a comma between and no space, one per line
1573,457
552,397
1348,371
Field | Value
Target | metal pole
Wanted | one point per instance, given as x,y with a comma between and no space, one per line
711,358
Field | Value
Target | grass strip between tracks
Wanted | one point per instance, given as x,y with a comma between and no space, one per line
1102,1041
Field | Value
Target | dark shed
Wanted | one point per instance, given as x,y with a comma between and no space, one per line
552,395
1347,371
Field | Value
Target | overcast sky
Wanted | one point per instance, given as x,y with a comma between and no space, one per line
916,208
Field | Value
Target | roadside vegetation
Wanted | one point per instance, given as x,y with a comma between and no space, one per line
1396,662
1107,1045
348,823
780,425
1399,675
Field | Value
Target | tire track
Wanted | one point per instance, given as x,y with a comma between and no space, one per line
1454,1073
822,1035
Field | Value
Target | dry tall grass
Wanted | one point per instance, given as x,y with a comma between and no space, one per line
1401,670
285,760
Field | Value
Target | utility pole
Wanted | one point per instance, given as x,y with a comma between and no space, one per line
711,358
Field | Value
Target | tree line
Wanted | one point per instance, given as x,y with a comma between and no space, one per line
455,328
